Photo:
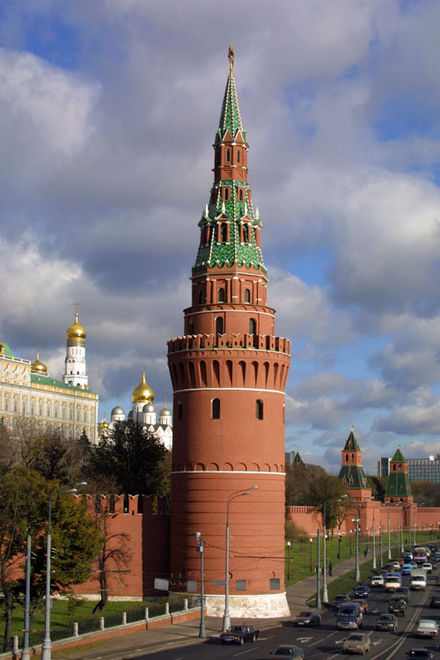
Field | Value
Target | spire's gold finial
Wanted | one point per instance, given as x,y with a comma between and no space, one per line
37,353
76,310
352,427
231,58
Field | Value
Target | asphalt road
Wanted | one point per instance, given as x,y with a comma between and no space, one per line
324,642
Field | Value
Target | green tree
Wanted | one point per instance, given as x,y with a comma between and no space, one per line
378,486
426,493
324,488
24,505
132,457
299,478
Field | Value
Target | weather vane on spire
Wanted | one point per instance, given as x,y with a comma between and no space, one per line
231,58
76,308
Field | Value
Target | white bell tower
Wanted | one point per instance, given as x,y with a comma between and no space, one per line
75,372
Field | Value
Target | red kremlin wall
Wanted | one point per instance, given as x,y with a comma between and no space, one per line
426,519
144,521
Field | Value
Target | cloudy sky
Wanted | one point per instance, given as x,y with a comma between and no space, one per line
108,111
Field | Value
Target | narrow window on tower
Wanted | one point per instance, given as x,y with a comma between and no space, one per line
224,232
252,327
247,296
215,408
238,155
219,325
226,194
245,234
259,410
228,155
221,295
179,411
240,194
200,297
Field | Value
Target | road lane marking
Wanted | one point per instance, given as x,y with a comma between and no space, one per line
243,652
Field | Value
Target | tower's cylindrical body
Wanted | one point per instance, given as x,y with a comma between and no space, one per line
229,372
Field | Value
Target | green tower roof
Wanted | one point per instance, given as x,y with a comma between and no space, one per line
353,476
398,482
230,117
352,443
237,210
398,485
7,351
398,457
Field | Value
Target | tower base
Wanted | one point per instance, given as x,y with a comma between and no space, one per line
252,606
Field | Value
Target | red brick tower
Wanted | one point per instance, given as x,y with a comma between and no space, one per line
229,372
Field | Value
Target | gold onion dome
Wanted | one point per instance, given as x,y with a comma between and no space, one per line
143,392
76,331
38,367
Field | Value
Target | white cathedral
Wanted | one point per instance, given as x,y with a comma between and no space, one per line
143,413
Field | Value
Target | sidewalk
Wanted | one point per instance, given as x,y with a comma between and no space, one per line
300,592
185,633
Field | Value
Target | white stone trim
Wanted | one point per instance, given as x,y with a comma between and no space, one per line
232,389
277,474
252,606
235,311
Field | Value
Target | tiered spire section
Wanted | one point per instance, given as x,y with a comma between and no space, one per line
230,226
352,472
398,486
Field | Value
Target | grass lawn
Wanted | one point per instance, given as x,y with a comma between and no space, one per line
301,557
64,613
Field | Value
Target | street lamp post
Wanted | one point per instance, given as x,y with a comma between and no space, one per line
288,560
226,616
389,537
415,533
381,545
351,536
339,543
200,548
318,570
324,525
26,652
357,572
374,543
46,648
310,545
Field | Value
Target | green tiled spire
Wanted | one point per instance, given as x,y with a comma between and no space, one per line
237,210
398,457
230,118
352,443
352,473
398,485
353,476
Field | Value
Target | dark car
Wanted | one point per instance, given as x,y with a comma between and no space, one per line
362,591
403,592
307,618
387,622
420,653
288,651
239,635
339,599
363,603
435,601
397,606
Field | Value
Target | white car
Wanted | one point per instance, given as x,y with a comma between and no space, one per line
427,566
417,582
392,582
427,628
377,581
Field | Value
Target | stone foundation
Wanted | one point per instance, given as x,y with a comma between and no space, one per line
251,606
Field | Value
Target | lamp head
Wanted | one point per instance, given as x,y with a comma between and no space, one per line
197,535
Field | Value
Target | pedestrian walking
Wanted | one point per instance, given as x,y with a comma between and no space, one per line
330,569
